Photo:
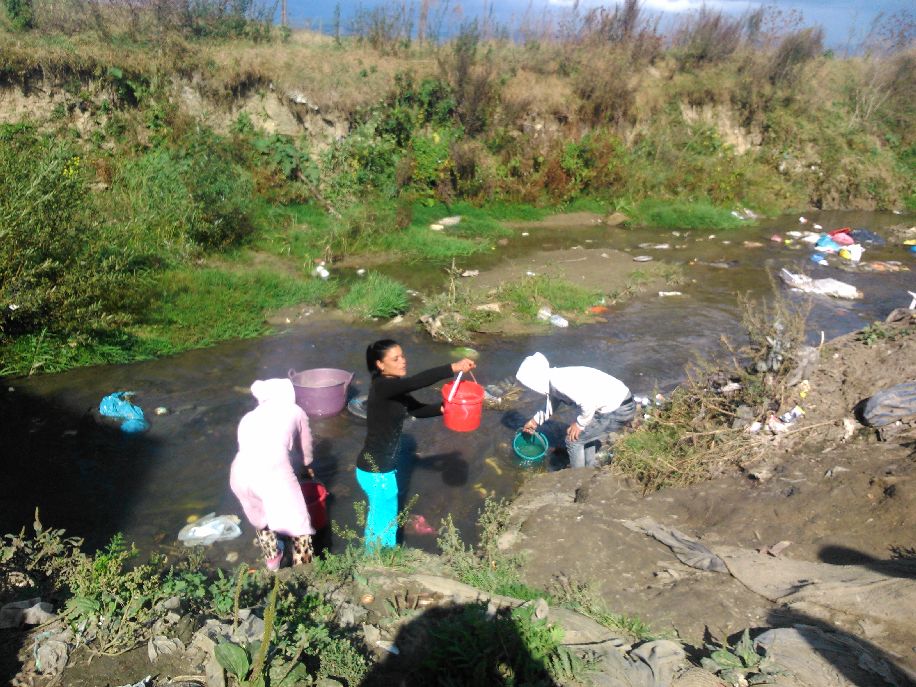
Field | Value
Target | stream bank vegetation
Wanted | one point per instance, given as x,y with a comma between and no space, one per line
719,415
293,627
137,167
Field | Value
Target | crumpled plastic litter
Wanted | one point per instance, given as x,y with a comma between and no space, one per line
210,528
118,406
826,287
145,682
52,651
28,612
417,524
687,549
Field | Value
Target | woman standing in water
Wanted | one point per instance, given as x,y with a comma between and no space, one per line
262,477
386,409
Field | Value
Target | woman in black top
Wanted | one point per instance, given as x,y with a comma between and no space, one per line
386,409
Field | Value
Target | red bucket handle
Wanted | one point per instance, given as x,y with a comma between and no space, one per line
457,381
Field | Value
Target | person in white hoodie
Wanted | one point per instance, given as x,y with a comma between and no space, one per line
262,476
604,403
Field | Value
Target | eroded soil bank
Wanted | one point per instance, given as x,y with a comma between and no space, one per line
843,499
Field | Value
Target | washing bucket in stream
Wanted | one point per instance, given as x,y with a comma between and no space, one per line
321,391
462,410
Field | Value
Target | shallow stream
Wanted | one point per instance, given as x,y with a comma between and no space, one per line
95,481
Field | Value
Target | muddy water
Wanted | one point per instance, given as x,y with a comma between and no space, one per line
95,481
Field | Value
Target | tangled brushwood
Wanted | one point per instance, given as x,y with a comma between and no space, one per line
715,417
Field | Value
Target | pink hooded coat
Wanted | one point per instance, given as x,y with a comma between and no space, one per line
262,475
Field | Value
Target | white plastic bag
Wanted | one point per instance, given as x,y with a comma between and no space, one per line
209,529
826,287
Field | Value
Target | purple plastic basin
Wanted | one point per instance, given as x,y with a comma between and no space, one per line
321,391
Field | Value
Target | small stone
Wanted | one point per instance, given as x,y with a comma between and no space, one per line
162,410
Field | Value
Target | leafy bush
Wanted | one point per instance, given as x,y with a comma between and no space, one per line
376,296
221,190
60,269
21,13
684,215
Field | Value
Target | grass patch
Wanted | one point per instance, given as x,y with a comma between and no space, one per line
529,294
684,215
201,307
421,243
376,296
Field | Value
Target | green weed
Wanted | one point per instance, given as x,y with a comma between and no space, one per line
682,215
376,295
529,294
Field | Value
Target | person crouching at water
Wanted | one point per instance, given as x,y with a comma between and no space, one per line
603,402
387,407
262,475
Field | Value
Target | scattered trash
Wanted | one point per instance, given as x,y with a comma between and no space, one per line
558,321
825,244
232,557
437,226
118,405
598,309
450,221
803,388
849,428
417,524
525,233
817,226
776,426
641,400
754,427
853,252
776,548
388,646
794,234
810,237
321,271
867,237
145,682
361,272
729,388
161,410
665,294
752,244
912,302
642,258
819,259
792,415
826,287
802,220
891,404
544,314
687,549
210,528
28,612
529,273
834,470
366,599
52,651
470,273
776,238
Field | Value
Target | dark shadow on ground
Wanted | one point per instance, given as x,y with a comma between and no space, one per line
901,564
58,461
456,646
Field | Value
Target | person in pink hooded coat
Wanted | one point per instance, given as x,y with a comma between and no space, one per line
262,476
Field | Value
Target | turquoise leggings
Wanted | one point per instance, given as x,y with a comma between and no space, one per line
382,518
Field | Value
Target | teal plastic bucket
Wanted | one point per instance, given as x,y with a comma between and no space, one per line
530,446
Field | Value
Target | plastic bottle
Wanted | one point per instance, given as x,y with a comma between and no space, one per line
558,321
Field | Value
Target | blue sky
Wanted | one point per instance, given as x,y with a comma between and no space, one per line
845,22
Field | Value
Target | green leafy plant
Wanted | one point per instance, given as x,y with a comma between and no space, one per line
740,664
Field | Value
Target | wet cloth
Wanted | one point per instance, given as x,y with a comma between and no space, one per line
688,550
262,477
590,390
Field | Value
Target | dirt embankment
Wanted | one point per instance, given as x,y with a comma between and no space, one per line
844,499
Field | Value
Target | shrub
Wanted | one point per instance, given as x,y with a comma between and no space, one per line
376,296
60,270
21,13
707,37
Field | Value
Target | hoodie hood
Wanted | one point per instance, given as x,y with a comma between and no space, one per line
273,390
534,373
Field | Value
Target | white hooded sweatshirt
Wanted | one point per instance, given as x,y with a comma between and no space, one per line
590,390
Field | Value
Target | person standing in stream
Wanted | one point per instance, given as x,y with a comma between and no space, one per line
387,407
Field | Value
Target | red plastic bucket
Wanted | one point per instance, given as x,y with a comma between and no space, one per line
316,496
462,413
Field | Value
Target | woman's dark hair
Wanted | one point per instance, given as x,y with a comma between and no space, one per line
376,351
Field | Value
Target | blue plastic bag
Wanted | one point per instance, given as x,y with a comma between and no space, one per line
116,406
